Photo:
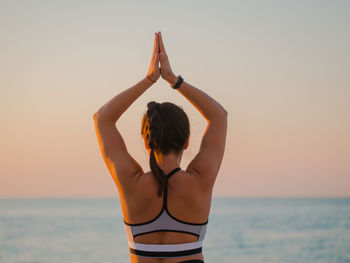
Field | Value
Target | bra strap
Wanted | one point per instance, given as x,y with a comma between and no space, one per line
173,172
165,194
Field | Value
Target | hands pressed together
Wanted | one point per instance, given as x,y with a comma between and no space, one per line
160,65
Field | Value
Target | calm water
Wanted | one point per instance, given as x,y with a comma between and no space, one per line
239,230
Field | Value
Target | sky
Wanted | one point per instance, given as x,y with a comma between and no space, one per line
280,68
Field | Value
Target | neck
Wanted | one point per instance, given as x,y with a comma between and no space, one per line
168,162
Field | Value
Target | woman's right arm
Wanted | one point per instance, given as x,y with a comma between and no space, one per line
206,163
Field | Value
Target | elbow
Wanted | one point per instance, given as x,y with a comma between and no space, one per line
219,116
223,115
98,113
223,112
97,116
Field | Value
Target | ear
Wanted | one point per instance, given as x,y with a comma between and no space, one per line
187,143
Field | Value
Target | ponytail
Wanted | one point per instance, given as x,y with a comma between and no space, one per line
154,133
165,127
158,173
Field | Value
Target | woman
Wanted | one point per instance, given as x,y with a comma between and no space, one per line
166,209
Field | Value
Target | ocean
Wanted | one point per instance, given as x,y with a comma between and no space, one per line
239,230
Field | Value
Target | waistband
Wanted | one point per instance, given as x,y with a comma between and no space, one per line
165,251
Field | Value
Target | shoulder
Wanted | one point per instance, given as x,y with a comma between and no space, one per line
187,182
143,186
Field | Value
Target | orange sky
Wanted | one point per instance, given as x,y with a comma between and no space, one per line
280,69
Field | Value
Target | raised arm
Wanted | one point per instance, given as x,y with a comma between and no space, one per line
207,162
120,163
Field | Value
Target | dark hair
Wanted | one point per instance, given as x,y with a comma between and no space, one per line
165,126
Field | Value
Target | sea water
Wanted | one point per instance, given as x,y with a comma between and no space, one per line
239,230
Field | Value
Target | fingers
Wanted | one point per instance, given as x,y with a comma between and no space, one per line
155,46
155,43
156,50
156,60
161,44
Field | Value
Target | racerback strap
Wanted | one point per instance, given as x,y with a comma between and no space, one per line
165,194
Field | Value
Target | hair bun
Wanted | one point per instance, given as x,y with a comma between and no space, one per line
152,106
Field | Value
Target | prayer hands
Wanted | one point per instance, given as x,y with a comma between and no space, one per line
154,70
159,56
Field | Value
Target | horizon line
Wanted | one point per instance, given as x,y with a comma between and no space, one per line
213,197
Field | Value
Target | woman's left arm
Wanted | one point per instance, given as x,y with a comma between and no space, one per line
122,166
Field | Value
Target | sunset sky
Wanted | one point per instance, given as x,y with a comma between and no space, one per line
280,68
